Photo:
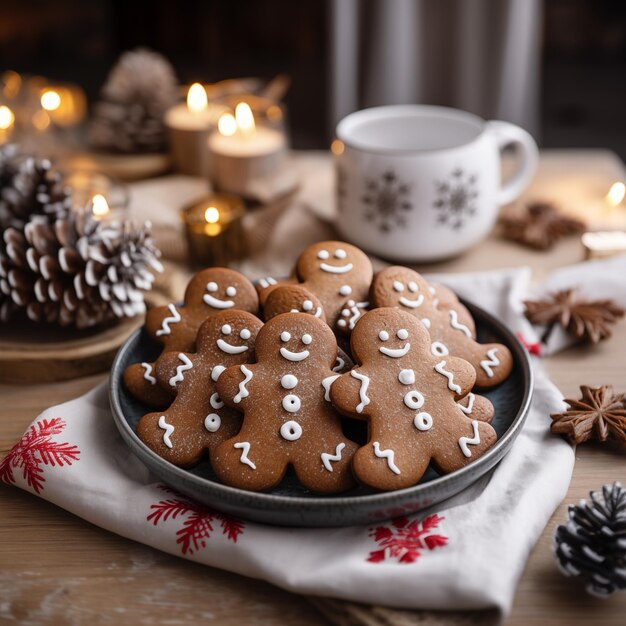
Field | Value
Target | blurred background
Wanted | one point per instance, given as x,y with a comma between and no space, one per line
555,67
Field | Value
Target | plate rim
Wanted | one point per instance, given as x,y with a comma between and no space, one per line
269,501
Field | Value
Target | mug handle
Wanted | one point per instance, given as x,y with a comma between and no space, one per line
507,134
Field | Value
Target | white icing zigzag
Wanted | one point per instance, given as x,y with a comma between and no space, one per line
174,319
187,365
243,390
492,361
470,404
327,458
244,446
467,441
454,322
327,383
148,373
365,381
452,386
169,429
386,454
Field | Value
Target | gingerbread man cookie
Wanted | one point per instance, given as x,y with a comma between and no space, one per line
409,397
292,299
450,325
288,418
209,291
197,421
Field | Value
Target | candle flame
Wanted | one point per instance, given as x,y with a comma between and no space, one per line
99,206
227,125
616,194
197,98
50,100
244,118
6,117
212,215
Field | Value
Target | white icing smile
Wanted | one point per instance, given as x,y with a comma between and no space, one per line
411,304
216,303
229,348
294,356
397,352
336,269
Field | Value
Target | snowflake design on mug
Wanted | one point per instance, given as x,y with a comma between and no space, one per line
386,202
456,198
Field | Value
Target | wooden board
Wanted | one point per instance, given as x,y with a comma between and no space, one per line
38,353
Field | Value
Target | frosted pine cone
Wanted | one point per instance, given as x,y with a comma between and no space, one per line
592,544
31,187
76,271
138,91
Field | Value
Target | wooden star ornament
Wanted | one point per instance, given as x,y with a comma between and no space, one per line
587,320
599,414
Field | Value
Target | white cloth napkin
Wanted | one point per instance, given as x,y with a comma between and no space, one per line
467,553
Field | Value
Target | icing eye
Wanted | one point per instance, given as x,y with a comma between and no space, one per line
413,286
307,305
285,336
212,286
307,339
403,333
245,334
323,254
226,329
383,335
398,286
231,291
340,253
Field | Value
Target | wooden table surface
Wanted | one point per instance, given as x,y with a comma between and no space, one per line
58,569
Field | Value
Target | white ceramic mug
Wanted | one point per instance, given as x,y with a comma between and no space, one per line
422,183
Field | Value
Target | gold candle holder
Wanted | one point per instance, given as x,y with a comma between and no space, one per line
214,230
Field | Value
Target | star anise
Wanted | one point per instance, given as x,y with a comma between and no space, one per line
599,414
540,226
587,320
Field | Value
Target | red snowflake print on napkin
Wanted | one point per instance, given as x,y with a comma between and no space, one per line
198,524
35,449
404,540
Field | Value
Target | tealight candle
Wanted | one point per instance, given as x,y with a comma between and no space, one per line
189,125
214,230
243,152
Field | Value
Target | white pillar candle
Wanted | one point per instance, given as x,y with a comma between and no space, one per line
243,153
189,125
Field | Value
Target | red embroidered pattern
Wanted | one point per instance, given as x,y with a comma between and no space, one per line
405,539
532,348
35,449
197,526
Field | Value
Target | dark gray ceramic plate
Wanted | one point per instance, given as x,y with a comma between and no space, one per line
291,505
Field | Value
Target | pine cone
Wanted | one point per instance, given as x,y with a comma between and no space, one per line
593,543
31,187
138,92
76,271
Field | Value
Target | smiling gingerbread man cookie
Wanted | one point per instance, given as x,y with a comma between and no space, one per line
175,327
197,420
288,417
449,323
409,397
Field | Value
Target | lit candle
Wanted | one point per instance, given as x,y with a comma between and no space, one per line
245,153
7,121
214,230
65,105
189,125
616,194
